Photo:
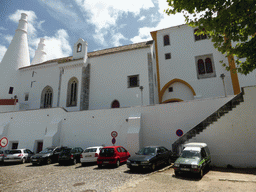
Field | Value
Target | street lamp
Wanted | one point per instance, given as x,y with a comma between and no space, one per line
141,89
222,76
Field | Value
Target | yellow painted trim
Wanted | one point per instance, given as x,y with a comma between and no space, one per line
234,76
172,100
171,82
154,36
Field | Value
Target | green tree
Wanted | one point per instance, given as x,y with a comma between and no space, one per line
226,22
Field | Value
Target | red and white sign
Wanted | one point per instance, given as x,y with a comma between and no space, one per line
114,134
4,142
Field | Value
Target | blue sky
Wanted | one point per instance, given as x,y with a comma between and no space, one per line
102,23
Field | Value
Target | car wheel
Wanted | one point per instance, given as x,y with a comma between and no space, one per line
169,162
23,161
99,166
48,161
34,164
153,167
60,163
74,161
117,163
82,164
201,173
177,173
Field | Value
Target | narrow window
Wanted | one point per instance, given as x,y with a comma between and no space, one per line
72,92
167,56
208,65
200,64
133,81
79,47
170,89
26,97
46,97
166,40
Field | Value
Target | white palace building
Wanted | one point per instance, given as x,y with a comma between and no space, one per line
167,91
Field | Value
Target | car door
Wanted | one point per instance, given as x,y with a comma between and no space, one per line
164,155
125,153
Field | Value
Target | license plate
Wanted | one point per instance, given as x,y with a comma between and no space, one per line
105,161
135,165
184,169
33,160
87,156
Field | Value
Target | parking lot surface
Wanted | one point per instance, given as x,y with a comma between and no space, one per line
25,177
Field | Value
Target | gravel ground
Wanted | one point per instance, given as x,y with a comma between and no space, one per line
25,177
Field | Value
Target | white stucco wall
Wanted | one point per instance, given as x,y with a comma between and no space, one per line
109,79
232,138
182,65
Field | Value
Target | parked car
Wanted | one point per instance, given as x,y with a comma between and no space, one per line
47,156
194,158
90,155
112,155
150,157
70,155
2,154
18,155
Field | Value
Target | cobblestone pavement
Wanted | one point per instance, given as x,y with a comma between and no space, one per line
25,177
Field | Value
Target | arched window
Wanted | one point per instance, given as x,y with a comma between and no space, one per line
115,104
208,65
46,97
79,47
200,65
72,92
166,40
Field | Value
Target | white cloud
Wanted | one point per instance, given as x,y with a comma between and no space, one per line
165,22
104,14
144,35
142,18
3,49
57,46
31,20
2,28
116,39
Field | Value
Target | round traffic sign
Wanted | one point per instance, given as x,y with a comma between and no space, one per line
4,142
114,134
179,132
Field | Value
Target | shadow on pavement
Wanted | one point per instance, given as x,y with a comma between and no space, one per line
236,170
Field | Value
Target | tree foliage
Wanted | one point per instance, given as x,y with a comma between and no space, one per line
231,24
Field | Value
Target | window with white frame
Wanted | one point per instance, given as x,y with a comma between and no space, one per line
205,66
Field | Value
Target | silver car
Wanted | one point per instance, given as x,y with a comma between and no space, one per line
2,154
18,155
90,155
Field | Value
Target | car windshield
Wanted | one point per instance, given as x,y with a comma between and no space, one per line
14,151
47,150
147,151
190,154
90,150
107,152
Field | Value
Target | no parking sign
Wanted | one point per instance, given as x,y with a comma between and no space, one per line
179,132
4,142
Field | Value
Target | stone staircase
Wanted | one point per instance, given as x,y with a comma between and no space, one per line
206,122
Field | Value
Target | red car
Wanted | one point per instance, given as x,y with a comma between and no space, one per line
112,155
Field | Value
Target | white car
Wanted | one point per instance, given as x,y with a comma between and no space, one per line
18,155
90,155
